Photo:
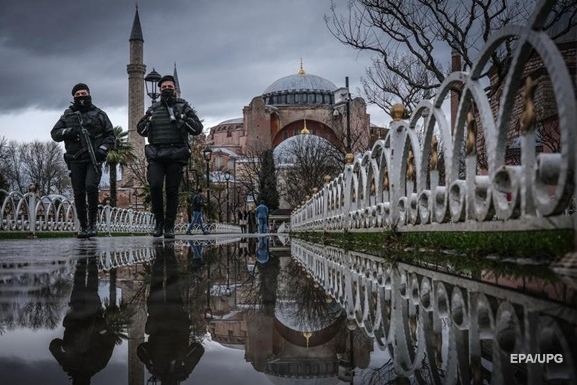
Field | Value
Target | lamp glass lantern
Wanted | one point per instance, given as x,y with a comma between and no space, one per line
207,153
151,83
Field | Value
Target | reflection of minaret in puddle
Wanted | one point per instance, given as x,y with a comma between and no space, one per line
135,333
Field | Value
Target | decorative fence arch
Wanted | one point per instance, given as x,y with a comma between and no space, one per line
30,213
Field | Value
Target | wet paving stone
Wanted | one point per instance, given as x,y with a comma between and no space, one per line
267,310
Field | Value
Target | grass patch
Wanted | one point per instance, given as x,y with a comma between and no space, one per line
504,253
539,245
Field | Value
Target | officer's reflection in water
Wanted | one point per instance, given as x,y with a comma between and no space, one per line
168,354
88,340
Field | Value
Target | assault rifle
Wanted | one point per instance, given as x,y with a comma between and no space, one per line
86,142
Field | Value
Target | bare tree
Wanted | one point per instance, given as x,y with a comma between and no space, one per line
4,163
411,40
43,165
303,161
38,163
249,168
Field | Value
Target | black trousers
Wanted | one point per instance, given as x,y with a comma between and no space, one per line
167,175
85,181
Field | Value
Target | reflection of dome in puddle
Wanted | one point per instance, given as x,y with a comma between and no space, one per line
289,314
307,328
302,381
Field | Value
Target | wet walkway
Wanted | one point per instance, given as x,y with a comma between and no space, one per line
260,309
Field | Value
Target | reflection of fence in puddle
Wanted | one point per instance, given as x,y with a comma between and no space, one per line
406,309
113,258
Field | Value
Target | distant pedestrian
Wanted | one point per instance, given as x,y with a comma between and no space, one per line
261,214
242,218
197,213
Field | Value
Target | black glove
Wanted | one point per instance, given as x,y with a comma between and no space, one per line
101,154
69,133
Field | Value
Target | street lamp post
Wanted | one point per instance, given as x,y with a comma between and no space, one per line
151,83
135,194
349,149
207,154
227,178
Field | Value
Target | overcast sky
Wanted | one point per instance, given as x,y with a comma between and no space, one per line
226,53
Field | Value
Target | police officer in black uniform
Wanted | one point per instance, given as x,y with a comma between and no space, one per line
85,152
167,124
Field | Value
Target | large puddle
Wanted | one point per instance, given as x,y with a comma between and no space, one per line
268,311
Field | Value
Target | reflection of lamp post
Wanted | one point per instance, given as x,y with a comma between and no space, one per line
208,310
207,154
227,178
227,291
151,83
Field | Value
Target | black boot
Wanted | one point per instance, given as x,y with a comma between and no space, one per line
169,231
158,229
83,232
92,230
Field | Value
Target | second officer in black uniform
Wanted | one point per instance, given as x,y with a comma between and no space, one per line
167,124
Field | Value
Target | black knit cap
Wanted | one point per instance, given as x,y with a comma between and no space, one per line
80,86
166,78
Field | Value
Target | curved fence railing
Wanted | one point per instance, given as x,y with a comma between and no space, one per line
32,213
449,328
400,182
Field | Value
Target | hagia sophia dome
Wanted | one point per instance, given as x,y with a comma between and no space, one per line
300,88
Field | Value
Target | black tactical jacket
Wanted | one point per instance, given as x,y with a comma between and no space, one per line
98,125
162,131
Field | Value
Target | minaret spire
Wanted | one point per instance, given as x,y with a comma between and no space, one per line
176,82
136,33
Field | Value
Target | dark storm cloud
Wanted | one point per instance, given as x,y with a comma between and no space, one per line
226,52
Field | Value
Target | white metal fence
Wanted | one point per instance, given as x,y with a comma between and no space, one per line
398,182
56,213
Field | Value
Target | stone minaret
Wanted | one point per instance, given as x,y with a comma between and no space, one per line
136,70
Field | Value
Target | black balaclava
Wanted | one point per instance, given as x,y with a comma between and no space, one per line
82,103
168,96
